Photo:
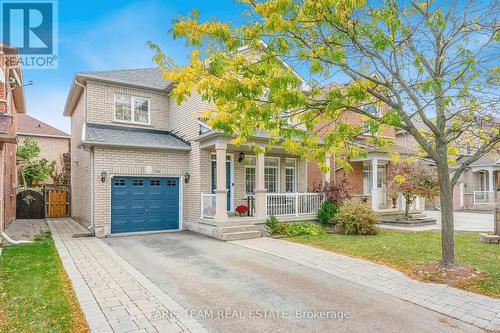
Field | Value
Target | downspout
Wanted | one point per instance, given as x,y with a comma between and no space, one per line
12,241
84,130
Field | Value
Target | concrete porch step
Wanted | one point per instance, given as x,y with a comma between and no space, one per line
231,236
238,228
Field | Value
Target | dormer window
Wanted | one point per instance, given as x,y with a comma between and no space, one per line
131,109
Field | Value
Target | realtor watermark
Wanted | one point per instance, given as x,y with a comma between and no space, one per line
29,33
272,314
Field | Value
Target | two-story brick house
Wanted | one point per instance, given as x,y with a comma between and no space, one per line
141,162
11,103
369,173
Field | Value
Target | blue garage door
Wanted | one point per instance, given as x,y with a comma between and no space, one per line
144,204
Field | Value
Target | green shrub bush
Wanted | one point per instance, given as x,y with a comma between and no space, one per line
356,218
272,225
326,212
301,229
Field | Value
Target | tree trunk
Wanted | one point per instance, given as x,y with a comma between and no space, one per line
447,224
408,203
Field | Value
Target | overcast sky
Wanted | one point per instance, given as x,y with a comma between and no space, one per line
102,35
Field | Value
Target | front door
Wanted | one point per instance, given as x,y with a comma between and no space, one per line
228,181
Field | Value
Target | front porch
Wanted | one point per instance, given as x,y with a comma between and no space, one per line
270,183
485,192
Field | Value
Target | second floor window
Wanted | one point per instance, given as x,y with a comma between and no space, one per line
132,109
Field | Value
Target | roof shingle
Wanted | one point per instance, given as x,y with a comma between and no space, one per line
35,127
101,134
151,78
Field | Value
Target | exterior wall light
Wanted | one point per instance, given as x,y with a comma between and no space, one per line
241,156
187,176
103,176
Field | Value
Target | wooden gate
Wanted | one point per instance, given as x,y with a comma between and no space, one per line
57,201
30,205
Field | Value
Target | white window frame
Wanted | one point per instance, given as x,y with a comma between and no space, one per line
482,181
294,168
253,166
278,168
132,110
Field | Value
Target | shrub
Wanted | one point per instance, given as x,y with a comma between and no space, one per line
326,212
356,218
272,225
338,193
301,229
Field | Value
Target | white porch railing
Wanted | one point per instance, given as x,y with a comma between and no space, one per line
293,204
482,197
207,205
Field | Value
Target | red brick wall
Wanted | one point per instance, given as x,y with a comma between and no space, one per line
354,177
8,152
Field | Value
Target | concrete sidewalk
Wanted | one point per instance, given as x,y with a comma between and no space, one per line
113,295
479,310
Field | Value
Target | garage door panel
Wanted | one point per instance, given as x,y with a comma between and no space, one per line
144,204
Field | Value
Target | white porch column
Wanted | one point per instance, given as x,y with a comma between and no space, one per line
221,190
492,190
327,175
260,190
375,189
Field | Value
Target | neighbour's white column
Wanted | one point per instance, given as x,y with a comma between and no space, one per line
260,190
375,189
221,190
490,185
327,175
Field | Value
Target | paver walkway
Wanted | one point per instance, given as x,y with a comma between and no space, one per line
475,309
113,295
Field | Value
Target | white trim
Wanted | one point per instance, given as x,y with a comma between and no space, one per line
278,188
68,137
295,173
132,110
231,178
181,195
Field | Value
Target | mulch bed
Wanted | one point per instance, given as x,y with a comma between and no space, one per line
459,275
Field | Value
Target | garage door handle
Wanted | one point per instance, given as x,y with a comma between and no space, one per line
147,210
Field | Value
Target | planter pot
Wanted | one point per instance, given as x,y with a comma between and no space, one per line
243,213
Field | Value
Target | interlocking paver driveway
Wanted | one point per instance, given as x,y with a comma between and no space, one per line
113,295
231,286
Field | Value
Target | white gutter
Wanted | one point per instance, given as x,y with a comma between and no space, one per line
84,135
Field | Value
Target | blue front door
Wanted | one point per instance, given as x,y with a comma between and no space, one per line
228,181
144,204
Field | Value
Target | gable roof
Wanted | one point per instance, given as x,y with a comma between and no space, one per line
151,78
31,126
145,78
121,136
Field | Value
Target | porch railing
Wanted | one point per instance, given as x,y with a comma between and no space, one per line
207,205
293,204
482,197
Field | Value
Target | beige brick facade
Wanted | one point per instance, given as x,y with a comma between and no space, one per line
130,162
81,206
89,163
51,148
101,105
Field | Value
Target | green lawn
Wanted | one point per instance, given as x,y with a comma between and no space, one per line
35,293
406,250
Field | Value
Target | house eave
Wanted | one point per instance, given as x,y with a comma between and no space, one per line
89,144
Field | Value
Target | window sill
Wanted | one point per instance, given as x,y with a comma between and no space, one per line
131,123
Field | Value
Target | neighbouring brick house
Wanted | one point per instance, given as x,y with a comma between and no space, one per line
478,187
369,173
11,103
141,162
53,143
